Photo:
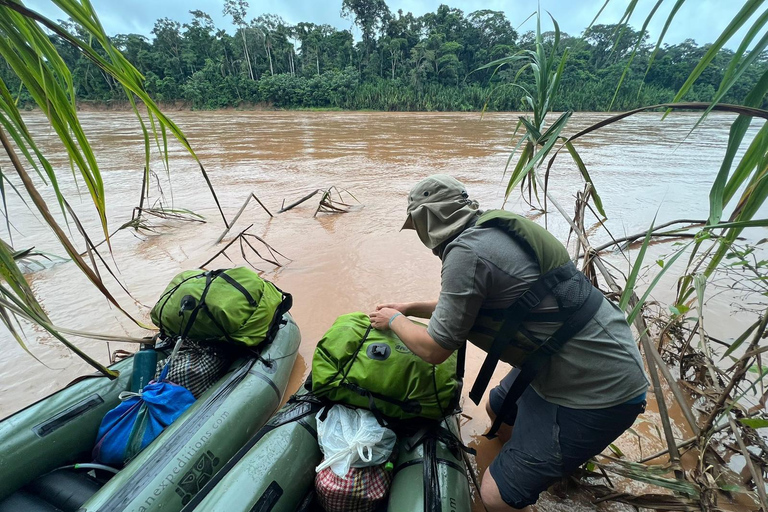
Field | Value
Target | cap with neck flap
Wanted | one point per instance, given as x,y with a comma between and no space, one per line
439,208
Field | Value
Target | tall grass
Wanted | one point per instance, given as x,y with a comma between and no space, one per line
25,44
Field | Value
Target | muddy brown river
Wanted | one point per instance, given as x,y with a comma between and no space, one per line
340,263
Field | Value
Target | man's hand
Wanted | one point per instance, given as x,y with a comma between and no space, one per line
397,306
381,317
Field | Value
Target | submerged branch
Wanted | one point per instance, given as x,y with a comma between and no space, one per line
297,203
242,238
240,212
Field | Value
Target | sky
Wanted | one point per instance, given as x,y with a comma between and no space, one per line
701,20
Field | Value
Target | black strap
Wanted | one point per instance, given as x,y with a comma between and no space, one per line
538,359
344,370
238,287
461,362
167,296
209,277
432,501
281,310
514,316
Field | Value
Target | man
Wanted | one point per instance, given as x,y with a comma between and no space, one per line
508,286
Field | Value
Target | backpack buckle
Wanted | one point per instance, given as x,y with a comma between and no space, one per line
530,300
549,346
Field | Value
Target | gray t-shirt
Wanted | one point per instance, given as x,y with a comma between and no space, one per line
485,268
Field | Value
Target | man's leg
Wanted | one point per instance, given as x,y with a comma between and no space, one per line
548,442
489,492
530,461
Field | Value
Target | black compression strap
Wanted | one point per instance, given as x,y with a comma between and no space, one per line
238,287
344,371
536,361
209,277
432,498
280,312
524,378
577,321
411,406
461,361
514,316
167,296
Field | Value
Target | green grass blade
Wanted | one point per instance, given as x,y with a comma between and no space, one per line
629,288
749,161
741,339
738,130
639,306
587,178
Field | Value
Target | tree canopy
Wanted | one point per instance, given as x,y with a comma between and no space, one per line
402,62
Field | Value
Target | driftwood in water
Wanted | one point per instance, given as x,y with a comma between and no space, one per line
327,204
637,236
240,212
297,203
245,239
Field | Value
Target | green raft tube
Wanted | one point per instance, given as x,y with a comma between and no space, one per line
41,446
275,470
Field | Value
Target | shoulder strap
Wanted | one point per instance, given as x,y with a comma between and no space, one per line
514,316
536,361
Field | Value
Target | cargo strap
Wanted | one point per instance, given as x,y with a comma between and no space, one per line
520,310
411,407
210,275
440,433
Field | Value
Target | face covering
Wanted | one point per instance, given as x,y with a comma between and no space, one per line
435,223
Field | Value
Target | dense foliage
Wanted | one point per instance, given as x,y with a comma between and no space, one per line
402,62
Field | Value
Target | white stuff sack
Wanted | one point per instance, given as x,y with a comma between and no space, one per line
352,438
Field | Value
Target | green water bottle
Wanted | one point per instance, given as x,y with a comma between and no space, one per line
144,365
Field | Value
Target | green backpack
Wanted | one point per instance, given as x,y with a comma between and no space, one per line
357,365
234,305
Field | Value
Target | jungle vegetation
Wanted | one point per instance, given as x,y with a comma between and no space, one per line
402,62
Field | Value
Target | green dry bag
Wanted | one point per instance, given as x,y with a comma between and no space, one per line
357,365
234,305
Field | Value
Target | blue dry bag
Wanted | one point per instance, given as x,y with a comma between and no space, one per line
139,419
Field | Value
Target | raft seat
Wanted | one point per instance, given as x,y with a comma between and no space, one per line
62,490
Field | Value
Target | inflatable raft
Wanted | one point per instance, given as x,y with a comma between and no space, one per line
41,446
275,471
430,473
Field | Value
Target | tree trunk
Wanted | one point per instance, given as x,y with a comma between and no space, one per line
269,55
247,56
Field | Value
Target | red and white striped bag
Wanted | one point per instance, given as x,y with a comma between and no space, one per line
360,490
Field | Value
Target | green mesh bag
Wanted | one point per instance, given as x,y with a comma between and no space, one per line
357,365
234,305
